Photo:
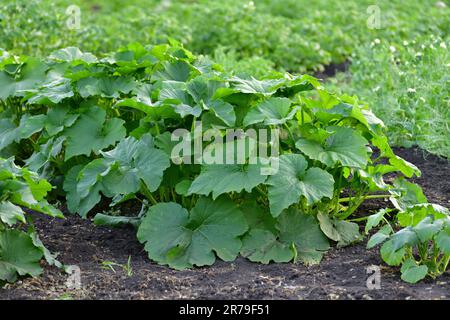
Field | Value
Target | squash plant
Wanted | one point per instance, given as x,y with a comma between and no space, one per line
108,127
422,244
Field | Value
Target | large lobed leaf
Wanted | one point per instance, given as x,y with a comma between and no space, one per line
181,239
219,179
92,133
295,180
345,147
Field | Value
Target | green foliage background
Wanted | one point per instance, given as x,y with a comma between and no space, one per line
399,69
263,36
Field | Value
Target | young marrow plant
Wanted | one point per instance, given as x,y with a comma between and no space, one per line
103,128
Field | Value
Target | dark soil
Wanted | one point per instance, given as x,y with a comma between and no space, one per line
332,69
341,275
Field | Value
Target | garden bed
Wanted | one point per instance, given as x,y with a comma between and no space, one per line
341,275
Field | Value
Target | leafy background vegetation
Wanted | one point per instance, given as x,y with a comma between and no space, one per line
51,99
260,37
100,129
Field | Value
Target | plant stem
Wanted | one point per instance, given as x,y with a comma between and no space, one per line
289,131
261,191
148,194
358,219
444,263
371,196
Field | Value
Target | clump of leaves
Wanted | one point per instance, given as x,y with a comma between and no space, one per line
107,128
20,248
422,244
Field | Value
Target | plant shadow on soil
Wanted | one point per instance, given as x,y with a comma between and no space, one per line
341,275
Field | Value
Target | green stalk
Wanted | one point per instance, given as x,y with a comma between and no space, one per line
148,194
174,196
261,191
435,254
444,263
303,116
358,219
337,192
423,251
372,196
289,131
193,124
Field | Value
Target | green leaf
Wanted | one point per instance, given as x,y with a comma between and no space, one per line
182,187
80,200
224,111
443,240
89,184
343,232
375,219
18,255
7,133
293,180
141,159
258,217
346,110
379,237
72,54
173,236
164,143
327,226
29,125
406,194
106,87
101,219
222,178
348,231
428,228
90,175
7,85
47,151
44,207
185,110
202,89
142,101
273,111
404,237
10,214
174,91
49,257
176,71
70,187
263,246
118,173
53,91
38,187
20,193
408,169
416,213
252,85
32,73
345,147
413,273
304,232
58,118
390,256
91,133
